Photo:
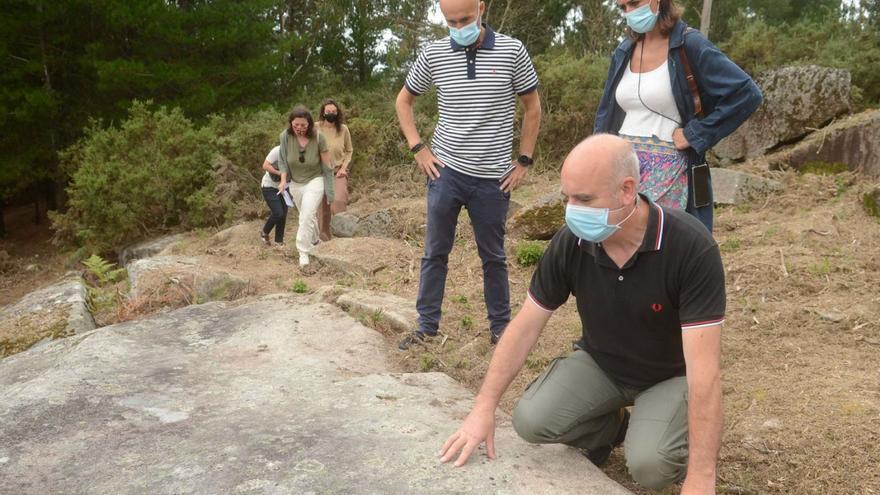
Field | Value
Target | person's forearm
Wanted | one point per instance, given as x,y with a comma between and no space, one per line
509,357
267,166
705,420
531,126
407,119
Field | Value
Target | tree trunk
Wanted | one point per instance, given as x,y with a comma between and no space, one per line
2,221
706,17
38,217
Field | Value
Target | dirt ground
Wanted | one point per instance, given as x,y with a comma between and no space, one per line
801,340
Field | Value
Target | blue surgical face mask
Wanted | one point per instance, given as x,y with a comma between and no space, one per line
467,35
642,19
591,224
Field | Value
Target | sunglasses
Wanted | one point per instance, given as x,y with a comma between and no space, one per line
302,156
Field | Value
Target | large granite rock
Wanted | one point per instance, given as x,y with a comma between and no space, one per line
256,398
731,187
376,224
796,101
854,141
381,309
344,224
56,311
379,223
248,233
143,273
148,248
363,255
540,220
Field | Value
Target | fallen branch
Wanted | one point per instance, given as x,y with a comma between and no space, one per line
782,263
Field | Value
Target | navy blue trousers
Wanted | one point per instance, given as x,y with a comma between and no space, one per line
487,207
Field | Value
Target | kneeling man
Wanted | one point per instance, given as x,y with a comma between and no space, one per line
649,286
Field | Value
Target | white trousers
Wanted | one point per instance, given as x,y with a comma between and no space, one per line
307,198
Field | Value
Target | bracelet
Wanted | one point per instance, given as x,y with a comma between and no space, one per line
418,147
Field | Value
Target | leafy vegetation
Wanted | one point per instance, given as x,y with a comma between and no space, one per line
529,252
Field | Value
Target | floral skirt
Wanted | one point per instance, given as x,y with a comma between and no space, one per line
663,171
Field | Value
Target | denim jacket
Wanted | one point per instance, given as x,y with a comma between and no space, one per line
729,96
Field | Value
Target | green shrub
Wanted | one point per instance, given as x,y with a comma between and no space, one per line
871,202
135,179
529,252
571,88
823,168
827,42
300,287
103,270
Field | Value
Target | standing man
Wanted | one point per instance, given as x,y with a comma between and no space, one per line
649,285
478,74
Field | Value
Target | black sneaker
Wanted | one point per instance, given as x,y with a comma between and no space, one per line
415,338
265,238
495,337
600,455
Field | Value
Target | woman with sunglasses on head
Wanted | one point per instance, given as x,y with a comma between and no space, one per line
305,162
332,126
673,95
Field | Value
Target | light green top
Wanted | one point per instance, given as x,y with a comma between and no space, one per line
310,167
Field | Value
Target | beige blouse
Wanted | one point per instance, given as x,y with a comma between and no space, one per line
338,143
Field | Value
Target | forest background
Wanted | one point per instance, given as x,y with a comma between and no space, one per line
128,119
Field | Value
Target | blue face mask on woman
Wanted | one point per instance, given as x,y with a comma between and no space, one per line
591,224
642,19
467,35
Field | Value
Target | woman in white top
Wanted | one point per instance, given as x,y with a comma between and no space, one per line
270,184
673,95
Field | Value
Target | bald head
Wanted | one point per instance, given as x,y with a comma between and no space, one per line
600,166
605,159
459,13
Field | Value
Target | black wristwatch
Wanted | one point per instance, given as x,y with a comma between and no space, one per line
418,147
525,161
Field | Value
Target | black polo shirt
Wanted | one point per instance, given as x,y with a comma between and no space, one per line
633,317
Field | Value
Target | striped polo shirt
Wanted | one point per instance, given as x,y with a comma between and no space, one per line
476,95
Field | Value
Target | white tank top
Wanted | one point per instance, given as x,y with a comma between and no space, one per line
656,92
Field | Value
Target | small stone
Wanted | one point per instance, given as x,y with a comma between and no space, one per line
832,316
772,424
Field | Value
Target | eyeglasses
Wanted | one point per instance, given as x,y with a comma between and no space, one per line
302,156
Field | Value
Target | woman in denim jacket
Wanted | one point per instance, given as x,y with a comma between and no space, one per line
647,101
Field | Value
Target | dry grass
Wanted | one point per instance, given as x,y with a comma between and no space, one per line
802,390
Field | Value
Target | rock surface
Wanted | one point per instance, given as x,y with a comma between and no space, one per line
255,398
148,248
344,224
139,271
376,224
854,141
542,219
363,255
220,286
398,313
58,310
796,100
731,187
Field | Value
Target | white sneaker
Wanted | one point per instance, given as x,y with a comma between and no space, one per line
303,259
